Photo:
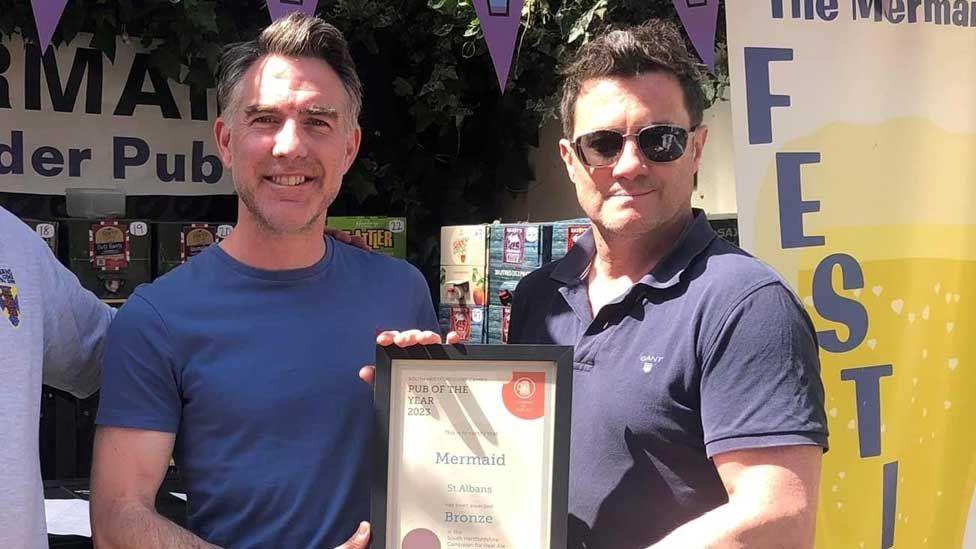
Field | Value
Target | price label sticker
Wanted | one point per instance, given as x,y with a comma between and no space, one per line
45,230
138,228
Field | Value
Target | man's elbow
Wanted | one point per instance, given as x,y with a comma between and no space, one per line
783,520
796,521
108,518
101,512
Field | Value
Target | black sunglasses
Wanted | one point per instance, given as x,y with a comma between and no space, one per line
658,143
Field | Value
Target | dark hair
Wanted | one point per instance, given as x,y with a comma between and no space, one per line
296,35
655,46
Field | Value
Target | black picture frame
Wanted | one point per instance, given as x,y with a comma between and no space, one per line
561,356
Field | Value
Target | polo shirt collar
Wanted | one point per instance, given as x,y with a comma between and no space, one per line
693,240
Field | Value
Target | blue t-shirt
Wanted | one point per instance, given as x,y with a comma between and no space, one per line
256,372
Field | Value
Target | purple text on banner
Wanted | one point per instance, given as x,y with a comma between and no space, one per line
500,21
700,18
281,8
47,13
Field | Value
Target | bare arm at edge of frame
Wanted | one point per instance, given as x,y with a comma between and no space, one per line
772,503
128,466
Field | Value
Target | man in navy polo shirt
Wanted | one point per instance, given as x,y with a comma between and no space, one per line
697,403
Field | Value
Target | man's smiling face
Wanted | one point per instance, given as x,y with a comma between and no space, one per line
288,140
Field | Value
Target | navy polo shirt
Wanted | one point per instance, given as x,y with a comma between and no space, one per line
708,353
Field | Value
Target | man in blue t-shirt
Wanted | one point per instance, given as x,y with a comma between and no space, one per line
243,363
698,414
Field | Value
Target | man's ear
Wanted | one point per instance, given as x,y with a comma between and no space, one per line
222,139
353,140
699,138
568,155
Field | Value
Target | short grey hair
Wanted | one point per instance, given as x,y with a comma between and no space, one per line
296,35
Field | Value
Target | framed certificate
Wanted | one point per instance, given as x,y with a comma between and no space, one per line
472,447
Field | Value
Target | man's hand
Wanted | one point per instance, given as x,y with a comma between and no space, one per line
359,540
346,238
414,337
406,339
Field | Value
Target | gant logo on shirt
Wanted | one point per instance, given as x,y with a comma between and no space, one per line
9,303
649,361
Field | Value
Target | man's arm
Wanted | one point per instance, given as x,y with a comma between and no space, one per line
772,502
127,469
75,324
764,426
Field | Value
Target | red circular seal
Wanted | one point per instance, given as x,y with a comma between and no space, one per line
420,538
524,388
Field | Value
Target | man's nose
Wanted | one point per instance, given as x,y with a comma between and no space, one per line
289,141
631,162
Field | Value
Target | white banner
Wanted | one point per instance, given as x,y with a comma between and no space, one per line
75,119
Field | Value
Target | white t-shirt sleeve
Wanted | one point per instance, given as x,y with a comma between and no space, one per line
75,325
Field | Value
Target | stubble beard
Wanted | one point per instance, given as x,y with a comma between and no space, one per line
264,221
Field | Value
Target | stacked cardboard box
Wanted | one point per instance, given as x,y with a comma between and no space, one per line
565,234
386,235
515,251
110,257
178,242
464,262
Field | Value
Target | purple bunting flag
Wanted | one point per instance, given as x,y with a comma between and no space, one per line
47,13
500,21
281,8
700,18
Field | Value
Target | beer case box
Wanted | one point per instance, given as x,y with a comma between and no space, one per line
498,322
385,235
110,257
564,235
463,285
47,230
501,284
727,227
464,245
519,245
467,321
177,242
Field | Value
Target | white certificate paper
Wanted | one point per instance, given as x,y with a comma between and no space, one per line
472,466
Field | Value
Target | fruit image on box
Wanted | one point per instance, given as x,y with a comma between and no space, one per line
468,322
47,230
179,242
385,235
464,245
109,257
463,285
565,234
519,245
